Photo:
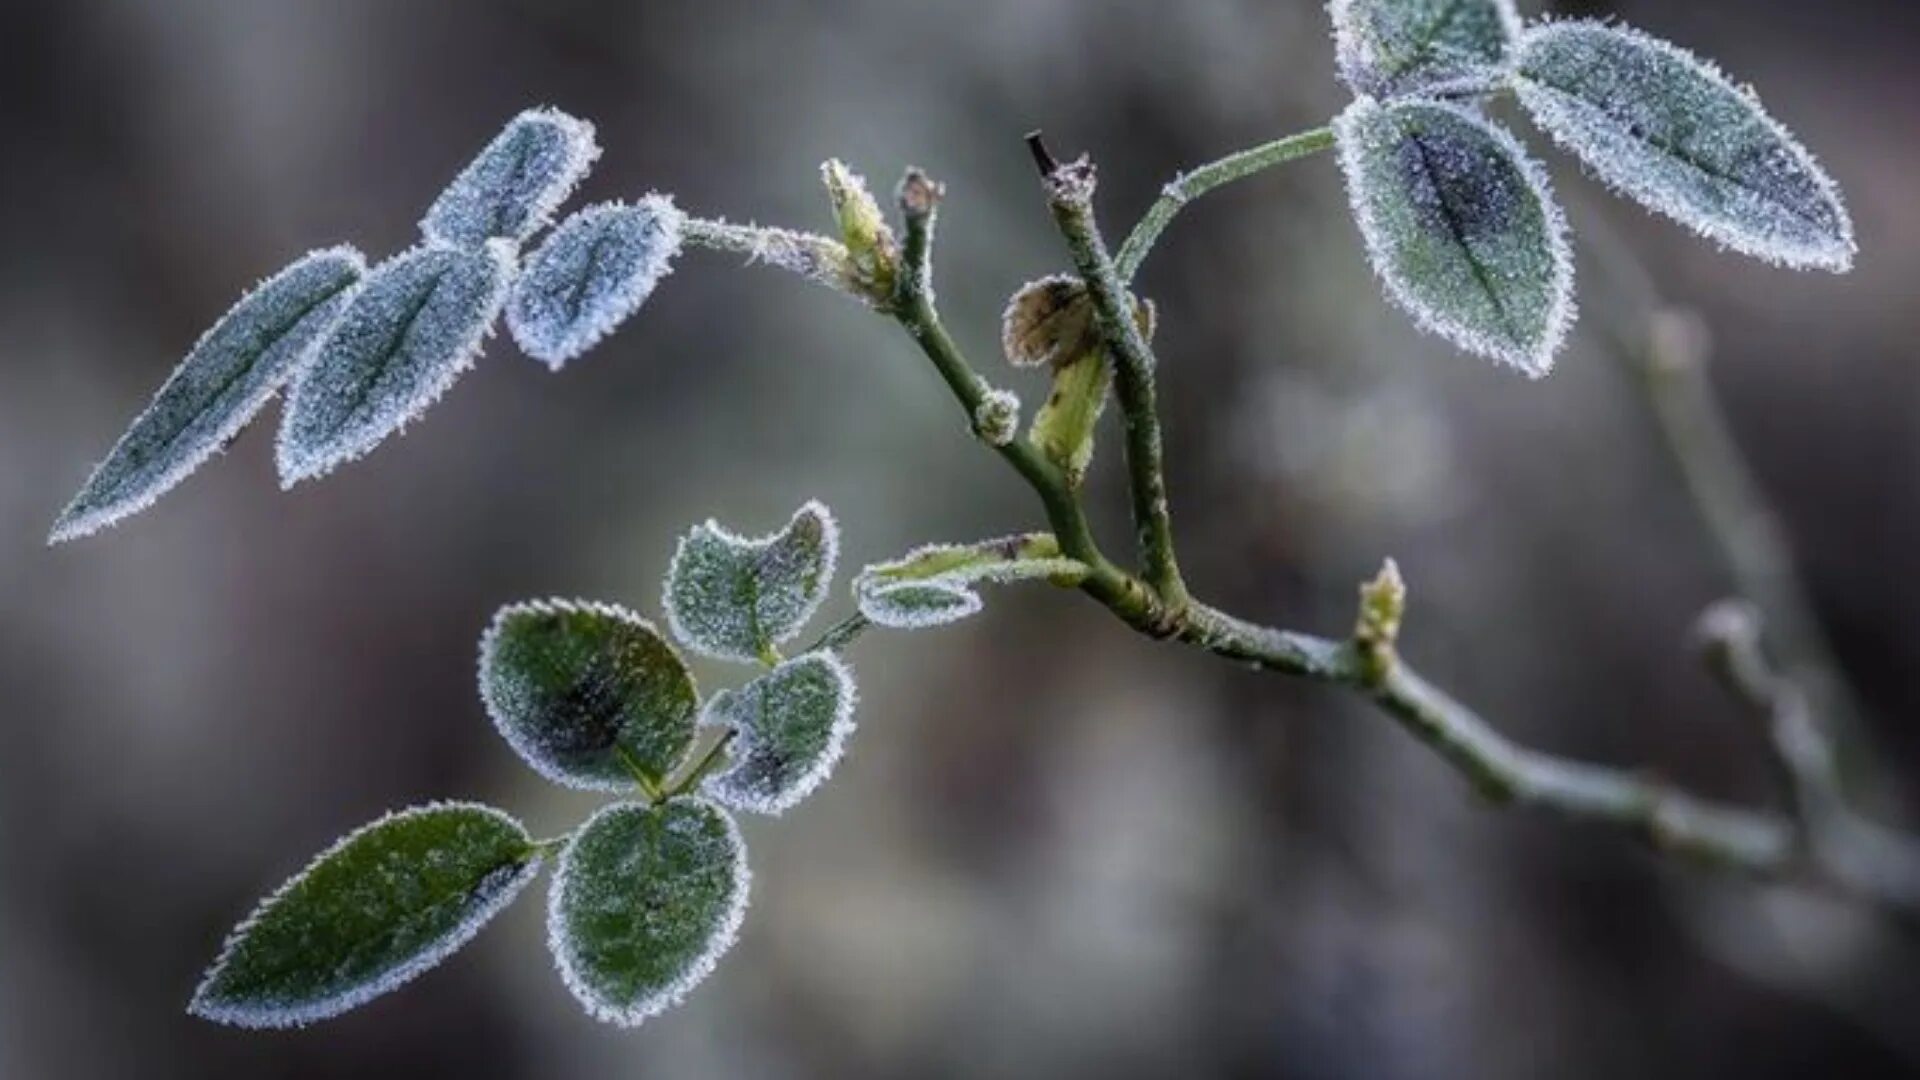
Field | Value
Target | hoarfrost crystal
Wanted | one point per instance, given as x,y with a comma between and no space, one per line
734,598
592,274
516,183
790,728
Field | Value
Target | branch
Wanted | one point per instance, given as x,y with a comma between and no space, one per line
1069,190
1189,186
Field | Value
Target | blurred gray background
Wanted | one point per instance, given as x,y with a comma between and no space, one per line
1056,848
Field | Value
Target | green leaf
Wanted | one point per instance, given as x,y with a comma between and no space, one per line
591,275
228,376
587,693
379,907
1063,428
1668,130
933,585
644,903
406,336
1392,47
790,727
735,598
1461,227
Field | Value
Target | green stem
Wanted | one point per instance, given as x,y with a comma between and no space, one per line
1189,186
712,756
1070,196
842,634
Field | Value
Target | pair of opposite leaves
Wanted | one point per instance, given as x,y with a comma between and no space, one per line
364,351
1461,224
646,896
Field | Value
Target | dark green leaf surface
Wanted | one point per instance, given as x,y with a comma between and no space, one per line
1461,227
381,906
790,728
735,598
645,901
587,693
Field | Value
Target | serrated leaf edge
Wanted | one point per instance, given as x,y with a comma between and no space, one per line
838,732
70,526
489,644
725,932
829,565
1534,363
1837,261
301,1015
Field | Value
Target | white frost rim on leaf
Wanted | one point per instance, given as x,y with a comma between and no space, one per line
497,710
582,150
842,727
304,1013
297,464
873,604
74,526
810,604
1352,48
622,304
1544,104
1534,363
719,940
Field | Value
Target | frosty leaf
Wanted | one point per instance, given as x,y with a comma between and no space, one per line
933,585
735,598
587,693
645,901
1063,428
790,727
1669,131
588,277
916,605
406,336
227,377
513,187
379,907
1461,226
1392,47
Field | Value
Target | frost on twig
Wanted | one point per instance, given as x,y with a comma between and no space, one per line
228,376
1666,129
407,335
1461,226
644,903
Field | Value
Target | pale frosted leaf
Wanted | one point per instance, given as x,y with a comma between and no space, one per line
933,585
644,903
231,372
587,693
1461,226
516,183
790,727
1392,47
1669,131
734,597
1064,426
379,907
594,272
409,332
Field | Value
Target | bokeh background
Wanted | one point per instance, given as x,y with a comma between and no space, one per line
1056,848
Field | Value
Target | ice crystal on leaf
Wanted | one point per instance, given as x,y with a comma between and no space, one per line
1392,47
409,332
594,272
1461,226
382,905
644,903
587,693
790,728
228,376
1669,131
513,187
734,598
933,585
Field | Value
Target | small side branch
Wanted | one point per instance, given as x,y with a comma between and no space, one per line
1070,190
